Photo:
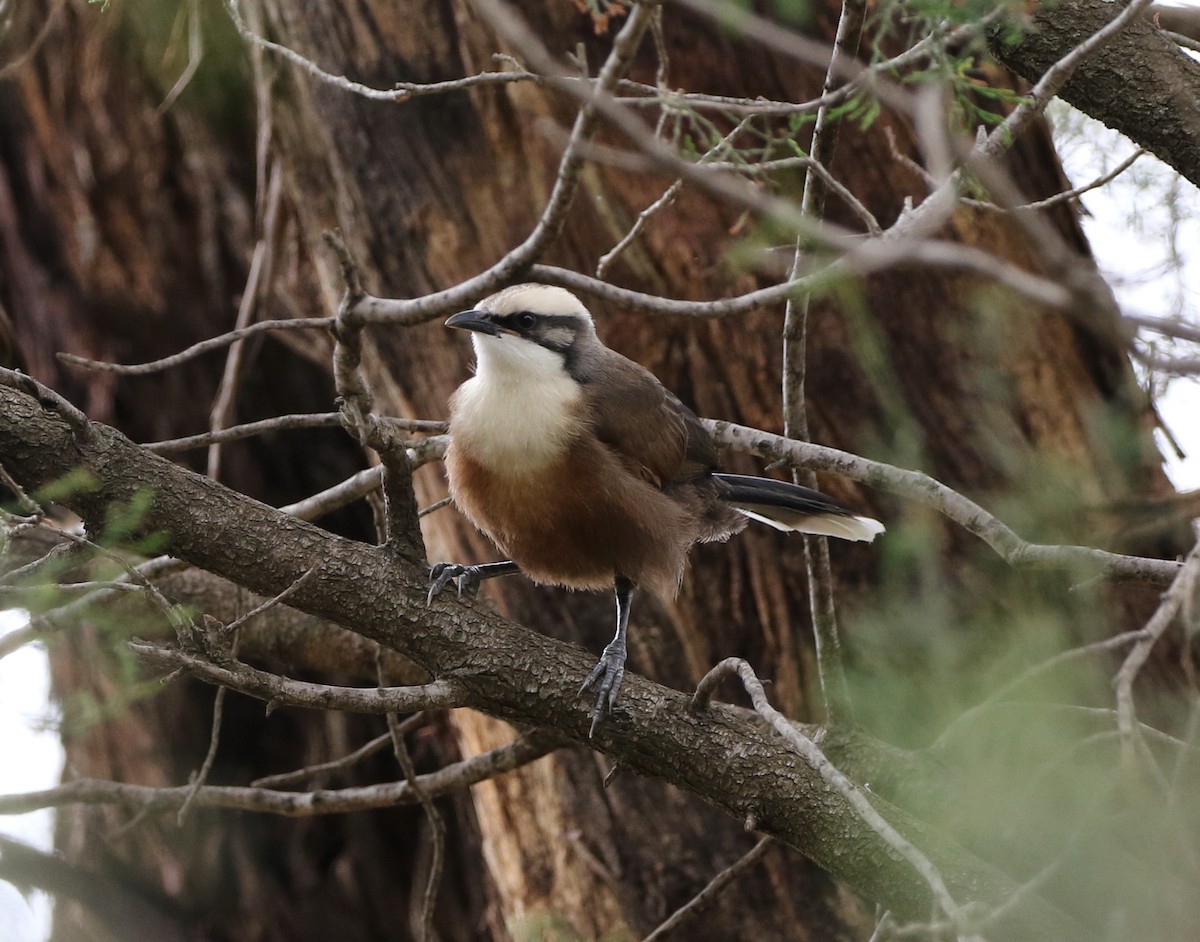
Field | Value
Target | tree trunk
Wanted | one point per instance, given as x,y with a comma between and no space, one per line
126,235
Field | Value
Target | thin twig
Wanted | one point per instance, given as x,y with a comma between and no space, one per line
816,759
1164,325
1180,40
25,504
1180,594
665,199
525,749
322,770
260,268
273,601
437,825
284,691
702,899
15,576
210,757
401,91
1063,657
232,630
926,490
356,403
1065,195
301,420
195,56
334,498
830,663
198,349
47,398
248,430
436,505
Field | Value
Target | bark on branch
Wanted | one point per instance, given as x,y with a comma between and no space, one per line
1141,83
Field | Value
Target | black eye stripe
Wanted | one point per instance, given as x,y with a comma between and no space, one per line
520,321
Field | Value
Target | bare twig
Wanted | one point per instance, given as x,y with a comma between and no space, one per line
197,349
698,902
260,267
333,498
1171,366
210,756
15,576
273,601
437,826
176,616
34,590
1164,325
926,490
665,199
1180,40
1177,598
356,406
816,759
1065,195
440,694
1063,657
25,504
830,665
436,505
195,55
47,398
401,91
525,749
281,423
322,770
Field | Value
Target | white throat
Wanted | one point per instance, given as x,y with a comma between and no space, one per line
519,410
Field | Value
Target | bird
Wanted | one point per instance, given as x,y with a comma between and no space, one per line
586,472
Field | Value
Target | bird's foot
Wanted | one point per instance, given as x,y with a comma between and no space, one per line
606,679
466,580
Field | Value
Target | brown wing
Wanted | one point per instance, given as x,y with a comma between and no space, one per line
657,435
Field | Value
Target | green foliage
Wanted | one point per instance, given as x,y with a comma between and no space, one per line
123,525
79,481
862,108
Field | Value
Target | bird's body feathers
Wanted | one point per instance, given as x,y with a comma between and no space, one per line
581,466
588,473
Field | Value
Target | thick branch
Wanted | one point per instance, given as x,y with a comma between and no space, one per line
1141,83
504,669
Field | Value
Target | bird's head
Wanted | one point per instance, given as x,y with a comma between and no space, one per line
528,328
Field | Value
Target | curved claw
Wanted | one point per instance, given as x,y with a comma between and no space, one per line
606,676
466,579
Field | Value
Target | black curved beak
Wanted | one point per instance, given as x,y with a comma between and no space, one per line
478,321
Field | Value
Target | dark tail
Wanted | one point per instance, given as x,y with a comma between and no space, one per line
787,506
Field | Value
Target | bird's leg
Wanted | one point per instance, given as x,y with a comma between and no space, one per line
466,579
610,670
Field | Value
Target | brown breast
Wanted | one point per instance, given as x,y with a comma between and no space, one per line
578,521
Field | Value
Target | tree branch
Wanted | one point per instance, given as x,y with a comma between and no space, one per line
525,749
282,691
962,510
1140,65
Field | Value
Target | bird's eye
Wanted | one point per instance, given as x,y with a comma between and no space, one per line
526,321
